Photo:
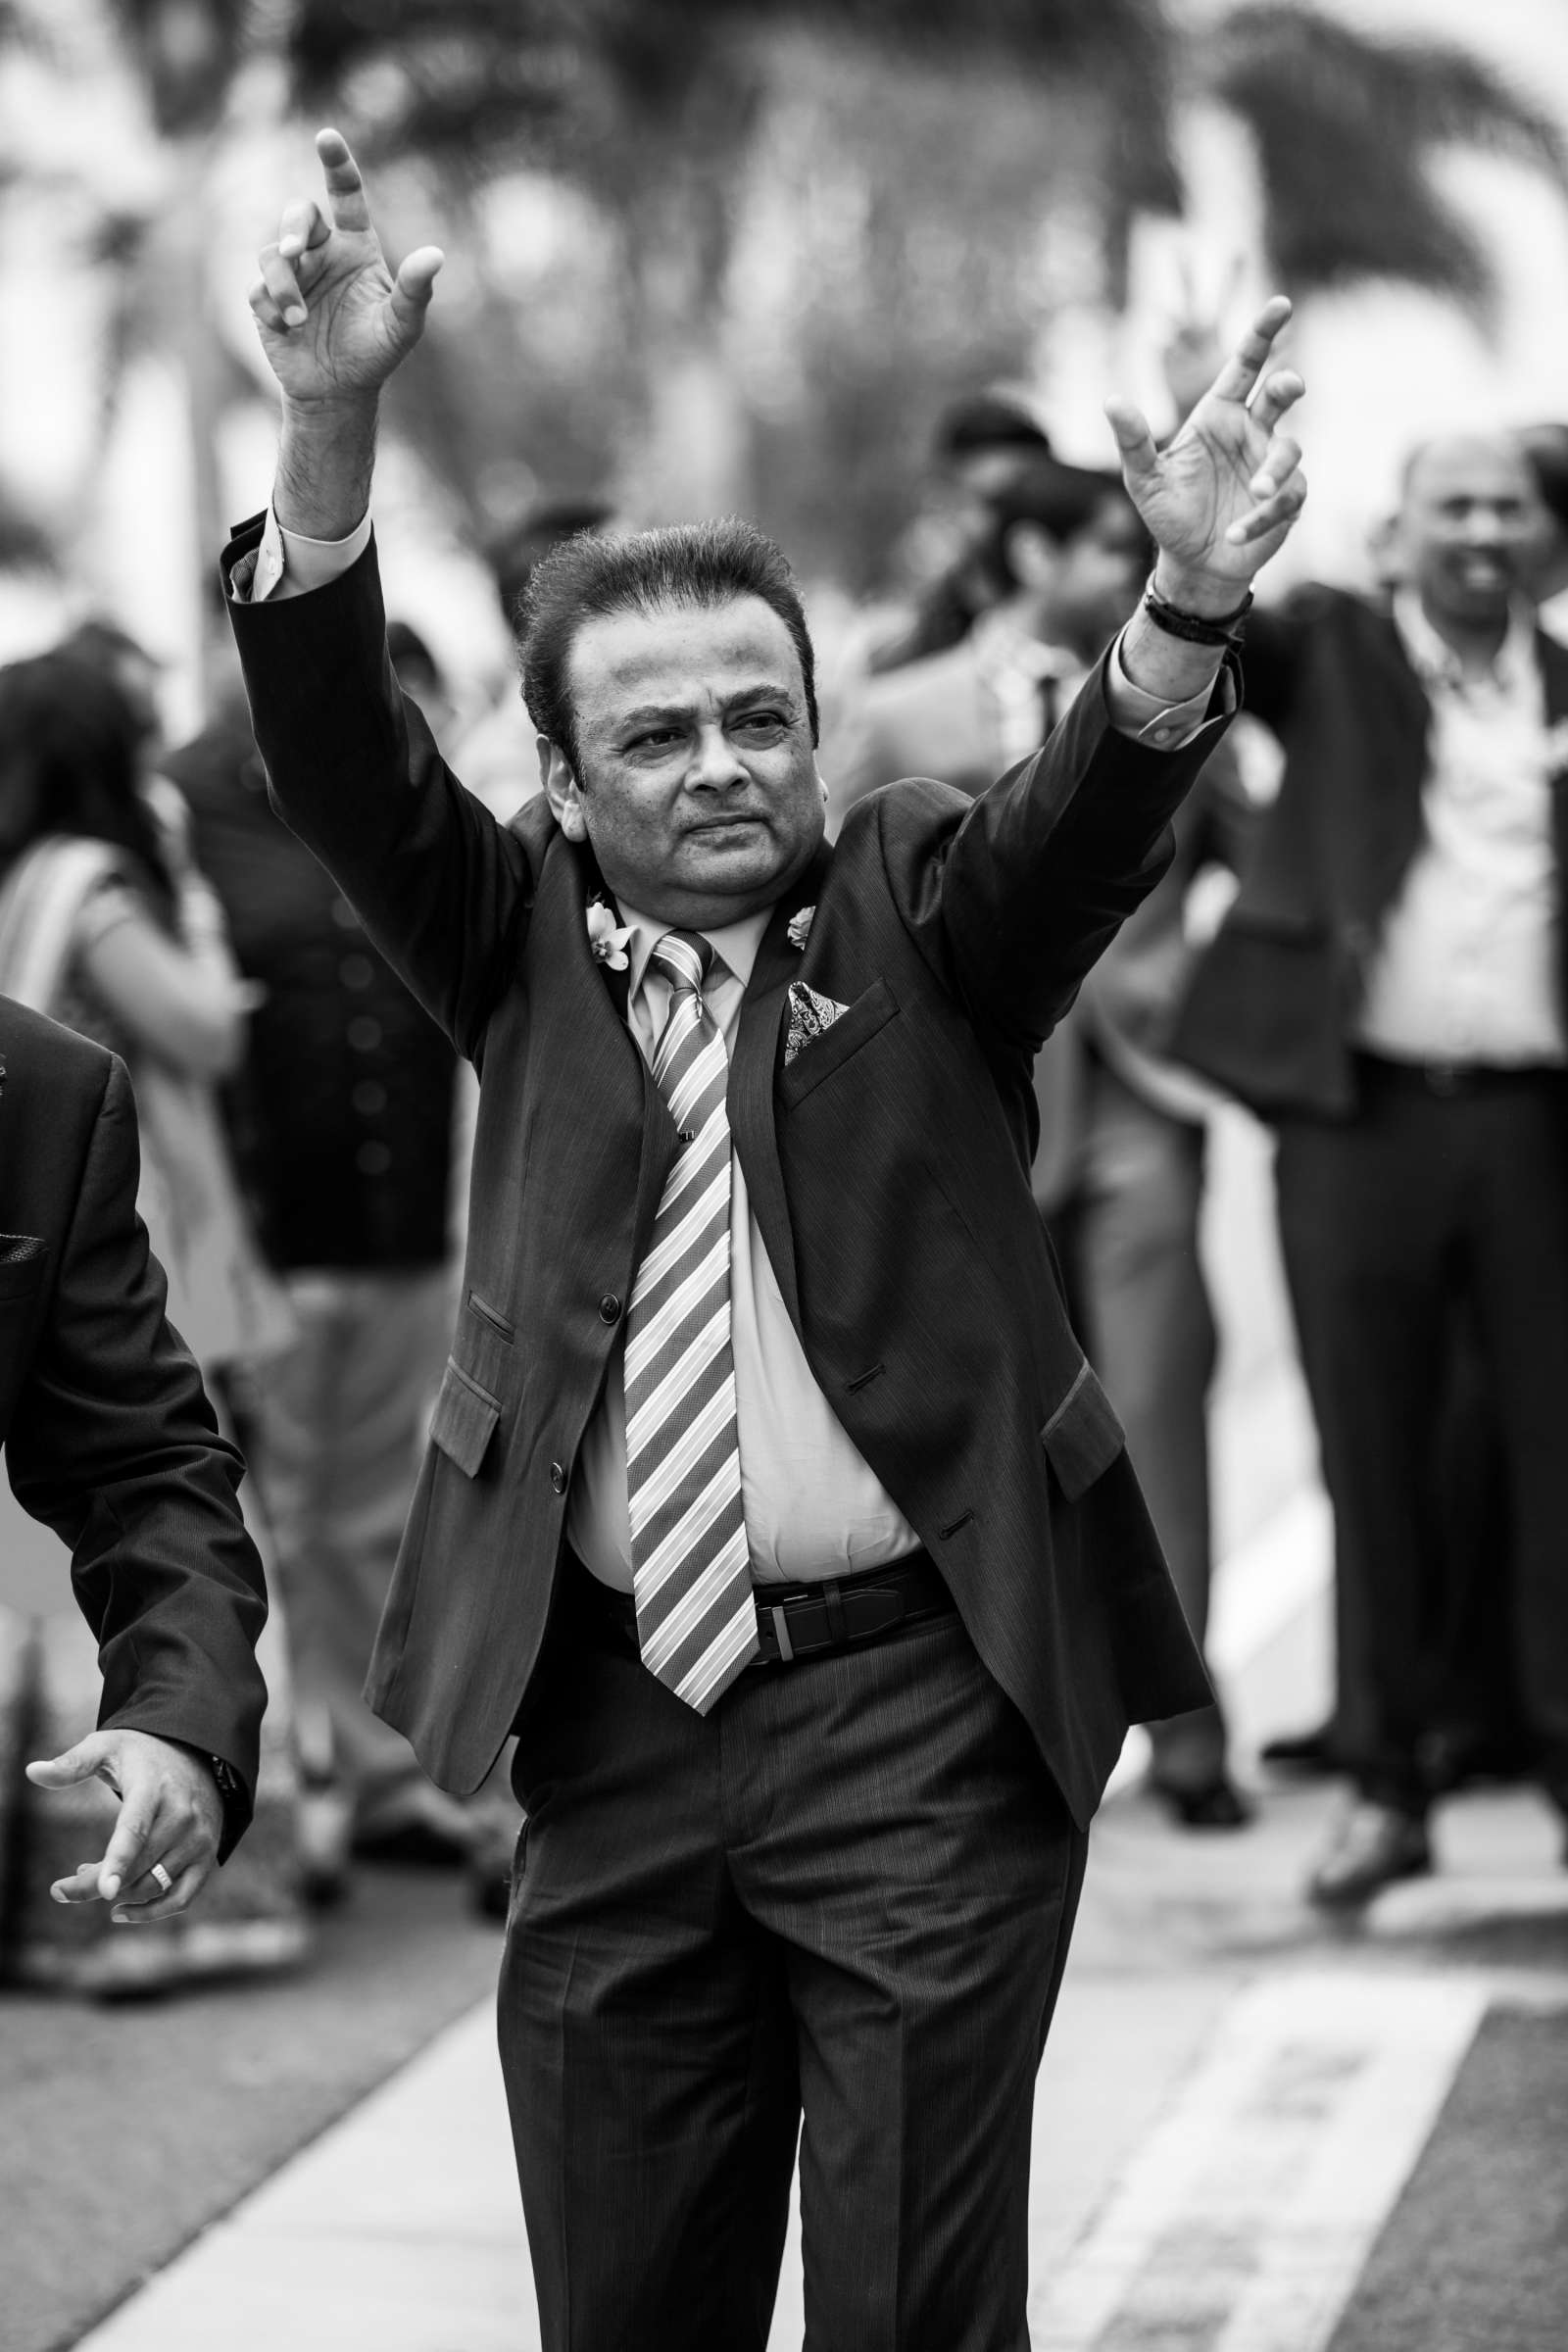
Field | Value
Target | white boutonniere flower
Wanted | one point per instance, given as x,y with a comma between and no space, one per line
798,930
608,940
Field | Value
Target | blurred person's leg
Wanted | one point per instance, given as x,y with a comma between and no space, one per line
342,1415
1367,1228
1150,1335
1521,1245
1478,1731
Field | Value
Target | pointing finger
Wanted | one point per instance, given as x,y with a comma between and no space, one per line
1139,454
345,189
1246,364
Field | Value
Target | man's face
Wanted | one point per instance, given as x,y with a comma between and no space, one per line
1470,531
1087,585
697,782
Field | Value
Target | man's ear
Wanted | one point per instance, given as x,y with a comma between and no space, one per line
560,789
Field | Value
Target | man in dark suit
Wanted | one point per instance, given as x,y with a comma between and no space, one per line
1388,990
769,1494
110,1440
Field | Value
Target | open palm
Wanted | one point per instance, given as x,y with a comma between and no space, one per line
1220,499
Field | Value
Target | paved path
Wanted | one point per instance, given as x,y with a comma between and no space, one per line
1235,2099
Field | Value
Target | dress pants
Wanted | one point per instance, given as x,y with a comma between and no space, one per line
1128,1237
849,1890
1444,1189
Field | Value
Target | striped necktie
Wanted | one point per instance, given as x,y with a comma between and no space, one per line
691,1569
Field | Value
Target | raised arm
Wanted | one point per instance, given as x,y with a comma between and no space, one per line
1053,859
351,766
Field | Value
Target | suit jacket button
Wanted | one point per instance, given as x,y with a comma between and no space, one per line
557,1477
609,1308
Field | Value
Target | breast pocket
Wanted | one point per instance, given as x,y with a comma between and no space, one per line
1083,1437
856,1025
465,1420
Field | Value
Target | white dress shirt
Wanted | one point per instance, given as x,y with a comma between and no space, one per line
1467,966
813,1507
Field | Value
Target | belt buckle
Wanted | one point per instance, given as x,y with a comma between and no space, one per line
781,1634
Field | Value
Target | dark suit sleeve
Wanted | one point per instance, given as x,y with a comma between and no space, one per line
439,886
1017,903
114,1445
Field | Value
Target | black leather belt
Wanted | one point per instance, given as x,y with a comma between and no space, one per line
793,1621
1460,1077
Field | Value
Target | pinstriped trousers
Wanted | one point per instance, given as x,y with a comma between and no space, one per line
848,1892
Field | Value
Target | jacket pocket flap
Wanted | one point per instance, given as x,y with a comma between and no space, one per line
465,1419
22,1260
829,1050
1083,1436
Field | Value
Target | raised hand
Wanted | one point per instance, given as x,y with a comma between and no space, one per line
334,321
1219,501
165,1842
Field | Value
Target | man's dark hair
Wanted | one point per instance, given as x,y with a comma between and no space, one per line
68,760
1059,500
702,565
514,548
995,418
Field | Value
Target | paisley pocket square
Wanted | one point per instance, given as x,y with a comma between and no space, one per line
810,1015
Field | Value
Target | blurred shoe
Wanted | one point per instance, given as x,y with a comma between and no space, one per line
1312,1755
1216,1804
1374,1846
1459,1756
412,1843
325,1820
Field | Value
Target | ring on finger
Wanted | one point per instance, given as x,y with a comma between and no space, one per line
164,1881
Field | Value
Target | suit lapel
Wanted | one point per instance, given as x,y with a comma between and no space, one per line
601,1065
751,1069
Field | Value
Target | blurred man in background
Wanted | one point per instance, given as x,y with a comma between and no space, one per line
495,754
982,443
1389,989
1119,1172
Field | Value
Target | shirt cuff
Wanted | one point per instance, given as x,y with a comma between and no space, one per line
1134,711
288,564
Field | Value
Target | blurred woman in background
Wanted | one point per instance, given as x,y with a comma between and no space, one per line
106,926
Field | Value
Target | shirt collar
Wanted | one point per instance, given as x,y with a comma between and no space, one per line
1435,661
734,944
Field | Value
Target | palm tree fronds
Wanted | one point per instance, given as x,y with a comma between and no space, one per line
1345,128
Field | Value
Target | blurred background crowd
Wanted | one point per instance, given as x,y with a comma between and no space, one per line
863,272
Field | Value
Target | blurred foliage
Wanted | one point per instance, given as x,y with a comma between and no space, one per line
740,251
1346,130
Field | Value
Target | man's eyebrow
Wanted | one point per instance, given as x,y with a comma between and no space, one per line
646,715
